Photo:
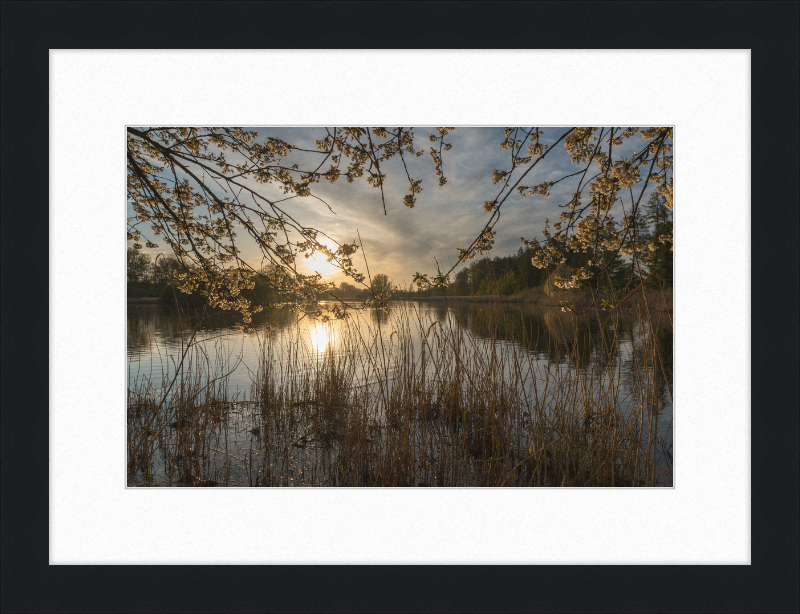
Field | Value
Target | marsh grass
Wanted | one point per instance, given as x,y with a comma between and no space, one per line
421,402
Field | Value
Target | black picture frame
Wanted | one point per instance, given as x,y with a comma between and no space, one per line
769,584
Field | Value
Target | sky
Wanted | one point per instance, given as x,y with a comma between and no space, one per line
406,240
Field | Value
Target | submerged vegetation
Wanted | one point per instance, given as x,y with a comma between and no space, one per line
460,397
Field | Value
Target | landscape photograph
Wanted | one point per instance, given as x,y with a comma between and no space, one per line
474,306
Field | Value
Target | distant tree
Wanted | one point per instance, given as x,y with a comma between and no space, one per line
619,274
164,269
460,286
530,276
347,290
657,215
638,252
139,266
659,238
381,284
509,283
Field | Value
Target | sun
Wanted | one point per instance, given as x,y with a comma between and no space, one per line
319,262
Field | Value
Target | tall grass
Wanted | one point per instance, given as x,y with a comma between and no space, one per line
415,401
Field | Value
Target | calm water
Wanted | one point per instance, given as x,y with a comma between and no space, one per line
550,341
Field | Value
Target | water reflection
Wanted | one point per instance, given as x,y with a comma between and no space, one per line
586,341
319,337
604,347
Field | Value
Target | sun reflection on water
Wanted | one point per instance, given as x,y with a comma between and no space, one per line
320,336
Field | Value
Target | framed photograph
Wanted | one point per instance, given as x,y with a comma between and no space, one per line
265,348
311,304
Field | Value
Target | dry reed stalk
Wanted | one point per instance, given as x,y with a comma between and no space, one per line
430,405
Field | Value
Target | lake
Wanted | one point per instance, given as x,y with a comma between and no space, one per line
428,394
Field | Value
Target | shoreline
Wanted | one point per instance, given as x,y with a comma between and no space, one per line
492,298
452,299
462,299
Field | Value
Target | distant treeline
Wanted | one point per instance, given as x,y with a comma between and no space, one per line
515,274
148,278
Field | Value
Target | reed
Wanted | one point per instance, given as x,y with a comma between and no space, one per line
419,402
